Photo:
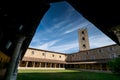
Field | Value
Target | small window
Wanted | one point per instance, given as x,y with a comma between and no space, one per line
84,46
83,38
59,56
43,54
113,55
82,32
111,48
73,55
100,50
53,55
32,52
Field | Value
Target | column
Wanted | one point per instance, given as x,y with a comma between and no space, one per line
55,65
59,65
33,64
92,66
101,67
10,74
63,65
45,65
50,65
26,64
107,67
40,64
70,65
85,66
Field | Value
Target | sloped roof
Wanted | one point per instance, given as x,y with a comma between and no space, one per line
42,60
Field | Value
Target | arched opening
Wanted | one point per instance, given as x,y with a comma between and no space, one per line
16,21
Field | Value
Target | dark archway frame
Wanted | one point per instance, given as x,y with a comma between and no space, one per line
19,19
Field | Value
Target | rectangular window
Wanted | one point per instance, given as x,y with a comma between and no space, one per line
111,48
53,55
100,50
113,55
32,52
59,56
43,54
72,55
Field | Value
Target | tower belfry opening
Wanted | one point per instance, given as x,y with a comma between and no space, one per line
83,40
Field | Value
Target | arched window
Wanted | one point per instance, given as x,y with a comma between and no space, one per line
83,38
82,32
84,46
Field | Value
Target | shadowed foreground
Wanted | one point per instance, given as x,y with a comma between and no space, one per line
64,75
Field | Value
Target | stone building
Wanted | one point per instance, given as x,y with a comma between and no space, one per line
86,58
43,59
94,59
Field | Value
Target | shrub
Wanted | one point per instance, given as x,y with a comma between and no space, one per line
114,65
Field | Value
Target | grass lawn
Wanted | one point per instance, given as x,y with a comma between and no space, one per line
64,75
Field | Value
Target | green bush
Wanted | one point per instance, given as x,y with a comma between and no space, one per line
114,65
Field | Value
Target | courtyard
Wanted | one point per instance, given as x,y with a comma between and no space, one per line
31,74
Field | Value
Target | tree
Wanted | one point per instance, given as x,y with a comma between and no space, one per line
114,65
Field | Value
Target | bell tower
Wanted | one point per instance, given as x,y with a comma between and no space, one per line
83,40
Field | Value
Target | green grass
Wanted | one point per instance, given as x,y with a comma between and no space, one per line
64,75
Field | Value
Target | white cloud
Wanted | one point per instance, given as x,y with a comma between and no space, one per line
65,47
35,42
59,24
81,25
100,41
47,45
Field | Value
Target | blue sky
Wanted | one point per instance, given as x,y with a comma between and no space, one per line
58,30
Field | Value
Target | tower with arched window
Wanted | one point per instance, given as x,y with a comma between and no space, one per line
83,40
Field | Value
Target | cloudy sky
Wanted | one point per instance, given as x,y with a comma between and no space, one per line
58,30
